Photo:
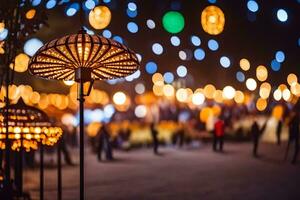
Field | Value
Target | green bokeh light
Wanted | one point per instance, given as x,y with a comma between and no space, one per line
173,22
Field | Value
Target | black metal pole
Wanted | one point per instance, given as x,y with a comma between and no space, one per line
42,172
81,135
59,178
21,166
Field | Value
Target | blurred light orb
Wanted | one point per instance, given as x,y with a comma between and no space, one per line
157,48
36,2
251,84
32,45
175,41
275,65
182,95
132,6
277,95
158,79
118,39
213,45
225,62
168,77
199,54
228,92
240,76
106,33
213,20
30,14
205,114
100,17
209,91
151,67
182,55
109,110
212,1
261,104
69,119
90,4
198,98
286,94
280,56
168,90
21,63
3,34
239,97
244,64
265,90
173,22
282,15
261,73
72,9
140,111
51,4
196,41
150,24
132,27
292,79
252,6
131,14
69,83
181,71
119,98
139,88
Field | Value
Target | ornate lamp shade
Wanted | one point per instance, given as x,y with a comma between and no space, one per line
97,57
29,124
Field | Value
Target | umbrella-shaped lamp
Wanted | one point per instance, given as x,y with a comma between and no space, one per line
83,58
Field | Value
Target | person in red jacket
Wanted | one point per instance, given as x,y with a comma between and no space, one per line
219,130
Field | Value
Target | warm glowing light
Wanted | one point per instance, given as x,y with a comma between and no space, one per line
198,98
100,17
182,95
251,84
261,104
119,98
228,92
213,20
277,112
286,94
239,97
140,111
244,64
292,79
295,89
21,63
218,96
209,91
265,90
158,79
168,90
30,14
277,94
205,114
261,73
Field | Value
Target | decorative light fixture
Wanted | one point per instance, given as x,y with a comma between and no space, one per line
83,58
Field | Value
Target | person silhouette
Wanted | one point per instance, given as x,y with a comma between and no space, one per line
293,136
278,132
104,144
219,130
256,133
154,134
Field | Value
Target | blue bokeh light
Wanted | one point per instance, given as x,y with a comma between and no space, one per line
118,39
106,33
175,41
132,6
252,6
199,54
213,45
168,77
72,9
106,1
275,65
280,56
90,4
181,71
240,76
225,61
157,49
131,14
132,27
212,1
282,15
150,23
35,2
3,34
151,67
50,4
32,45
196,41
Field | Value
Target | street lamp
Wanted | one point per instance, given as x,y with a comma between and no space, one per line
83,58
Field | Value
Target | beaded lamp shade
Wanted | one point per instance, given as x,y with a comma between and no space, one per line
102,58
28,123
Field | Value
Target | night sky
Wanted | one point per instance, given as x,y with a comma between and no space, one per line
255,36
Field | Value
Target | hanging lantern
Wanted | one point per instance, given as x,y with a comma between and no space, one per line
100,17
213,20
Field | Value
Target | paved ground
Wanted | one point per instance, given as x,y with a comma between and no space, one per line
180,174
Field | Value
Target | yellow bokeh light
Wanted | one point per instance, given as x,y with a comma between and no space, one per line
292,79
261,104
182,95
244,64
209,91
277,112
286,94
218,96
168,90
228,92
119,98
251,84
206,113
239,97
21,63
30,13
158,90
261,73
265,90
100,17
277,94
213,20
198,98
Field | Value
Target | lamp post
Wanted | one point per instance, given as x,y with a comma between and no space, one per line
83,58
